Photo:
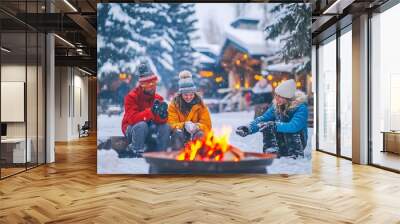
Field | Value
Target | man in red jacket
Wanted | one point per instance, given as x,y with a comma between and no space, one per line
144,123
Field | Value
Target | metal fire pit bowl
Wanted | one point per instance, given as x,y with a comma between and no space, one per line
166,163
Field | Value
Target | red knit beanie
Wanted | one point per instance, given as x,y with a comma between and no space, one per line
145,74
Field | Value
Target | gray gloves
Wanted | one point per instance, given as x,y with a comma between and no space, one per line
243,131
191,127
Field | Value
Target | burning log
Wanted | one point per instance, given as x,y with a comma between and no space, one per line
210,148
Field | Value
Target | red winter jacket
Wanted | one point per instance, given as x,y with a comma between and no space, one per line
138,108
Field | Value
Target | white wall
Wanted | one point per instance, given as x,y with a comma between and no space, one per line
33,126
12,73
81,100
61,103
71,94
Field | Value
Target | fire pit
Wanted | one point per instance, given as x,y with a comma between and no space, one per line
166,163
208,155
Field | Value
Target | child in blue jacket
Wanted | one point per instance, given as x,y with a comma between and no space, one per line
284,124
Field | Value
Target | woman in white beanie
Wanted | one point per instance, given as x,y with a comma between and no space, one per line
188,116
284,124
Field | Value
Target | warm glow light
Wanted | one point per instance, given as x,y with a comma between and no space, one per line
206,74
298,84
246,85
123,76
245,56
237,62
210,148
258,77
274,84
219,79
270,77
237,86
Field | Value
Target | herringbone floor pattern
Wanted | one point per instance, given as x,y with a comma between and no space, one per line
70,191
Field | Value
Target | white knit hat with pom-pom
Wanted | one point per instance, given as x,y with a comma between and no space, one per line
286,89
186,84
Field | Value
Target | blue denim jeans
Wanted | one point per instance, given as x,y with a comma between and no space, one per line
147,136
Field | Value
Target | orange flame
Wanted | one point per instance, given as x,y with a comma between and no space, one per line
210,148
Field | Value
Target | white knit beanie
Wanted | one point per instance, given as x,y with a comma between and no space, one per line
286,89
186,84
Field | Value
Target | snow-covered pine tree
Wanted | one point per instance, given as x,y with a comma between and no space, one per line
293,25
181,30
130,33
105,52
160,50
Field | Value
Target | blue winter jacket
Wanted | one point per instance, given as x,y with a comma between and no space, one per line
294,122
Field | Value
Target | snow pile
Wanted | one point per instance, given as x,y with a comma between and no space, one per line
108,126
109,163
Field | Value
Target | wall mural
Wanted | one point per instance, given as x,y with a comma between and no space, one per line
201,88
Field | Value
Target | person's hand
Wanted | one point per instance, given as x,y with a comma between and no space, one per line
263,125
160,109
243,131
163,110
191,127
156,107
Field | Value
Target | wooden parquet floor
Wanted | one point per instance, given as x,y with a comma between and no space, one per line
70,191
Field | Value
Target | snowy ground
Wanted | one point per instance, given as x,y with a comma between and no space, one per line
109,163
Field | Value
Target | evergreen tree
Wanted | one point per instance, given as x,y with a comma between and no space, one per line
160,50
293,26
130,33
159,33
181,31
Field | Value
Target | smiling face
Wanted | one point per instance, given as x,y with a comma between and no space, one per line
280,100
188,97
149,87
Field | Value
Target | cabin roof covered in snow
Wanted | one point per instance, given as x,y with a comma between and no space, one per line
250,40
213,48
283,67
204,59
244,20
